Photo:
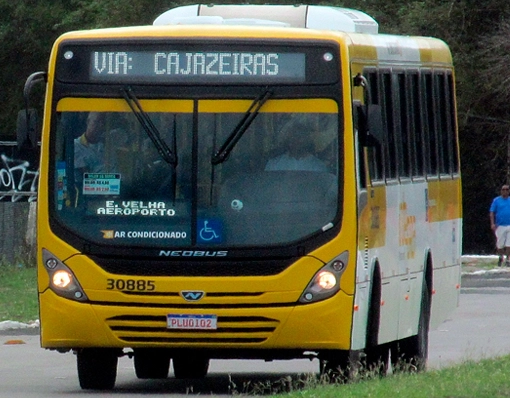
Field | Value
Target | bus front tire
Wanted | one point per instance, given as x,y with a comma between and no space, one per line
411,353
377,356
151,363
377,359
97,368
190,367
339,366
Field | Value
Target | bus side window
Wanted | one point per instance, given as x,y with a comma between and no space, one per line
402,125
446,127
361,151
416,126
390,142
430,125
374,154
452,126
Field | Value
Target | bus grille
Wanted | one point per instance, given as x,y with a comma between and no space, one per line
186,267
230,330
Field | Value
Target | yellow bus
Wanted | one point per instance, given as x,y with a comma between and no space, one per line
246,181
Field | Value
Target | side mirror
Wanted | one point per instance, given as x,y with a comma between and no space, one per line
369,116
370,125
375,129
27,129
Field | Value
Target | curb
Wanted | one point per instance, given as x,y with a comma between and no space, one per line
32,331
13,328
488,279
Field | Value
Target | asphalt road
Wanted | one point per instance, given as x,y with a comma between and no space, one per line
479,328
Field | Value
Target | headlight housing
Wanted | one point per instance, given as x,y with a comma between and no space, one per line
326,282
62,280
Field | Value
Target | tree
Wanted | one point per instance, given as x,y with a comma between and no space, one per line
27,30
478,34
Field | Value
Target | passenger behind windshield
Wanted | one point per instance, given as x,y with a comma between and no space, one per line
89,147
297,151
95,152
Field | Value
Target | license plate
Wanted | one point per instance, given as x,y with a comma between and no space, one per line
193,322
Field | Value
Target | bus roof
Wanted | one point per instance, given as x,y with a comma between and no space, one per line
396,49
356,29
296,16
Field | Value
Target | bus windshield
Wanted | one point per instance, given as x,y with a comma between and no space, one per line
277,184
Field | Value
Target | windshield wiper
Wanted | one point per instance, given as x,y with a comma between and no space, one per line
152,132
222,154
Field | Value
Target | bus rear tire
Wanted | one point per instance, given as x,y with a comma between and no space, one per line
190,367
97,368
151,363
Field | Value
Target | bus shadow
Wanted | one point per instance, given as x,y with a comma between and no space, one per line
222,384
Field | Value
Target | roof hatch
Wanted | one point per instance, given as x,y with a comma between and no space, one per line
299,16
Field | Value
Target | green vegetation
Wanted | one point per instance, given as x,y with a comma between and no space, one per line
18,294
484,379
479,265
477,33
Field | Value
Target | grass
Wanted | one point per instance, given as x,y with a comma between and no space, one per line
18,293
488,378
478,265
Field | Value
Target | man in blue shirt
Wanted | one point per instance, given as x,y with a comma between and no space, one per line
500,224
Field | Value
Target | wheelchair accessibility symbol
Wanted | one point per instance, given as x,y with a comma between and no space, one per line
209,231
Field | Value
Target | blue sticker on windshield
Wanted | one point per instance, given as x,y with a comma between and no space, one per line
61,184
209,230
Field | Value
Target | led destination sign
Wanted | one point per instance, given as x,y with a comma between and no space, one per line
201,66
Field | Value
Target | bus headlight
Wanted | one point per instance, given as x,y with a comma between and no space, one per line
326,282
62,280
